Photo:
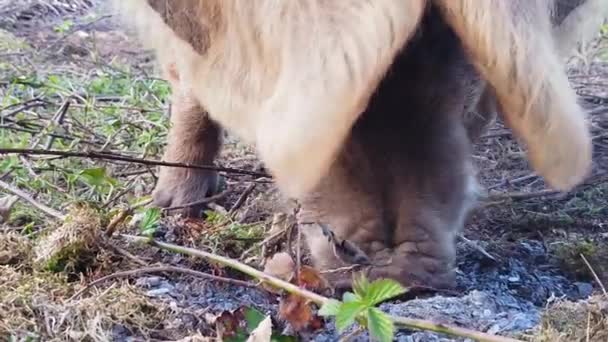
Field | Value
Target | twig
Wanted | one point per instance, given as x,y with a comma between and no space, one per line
57,120
242,198
126,254
26,197
513,181
411,323
25,106
124,191
599,281
298,250
270,239
57,117
250,271
200,202
351,335
159,269
54,135
476,247
521,195
118,157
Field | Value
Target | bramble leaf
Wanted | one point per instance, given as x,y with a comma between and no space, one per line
330,308
380,325
381,290
347,314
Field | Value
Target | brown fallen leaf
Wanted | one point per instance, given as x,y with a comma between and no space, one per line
311,279
296,310
280,265
227,323
263,332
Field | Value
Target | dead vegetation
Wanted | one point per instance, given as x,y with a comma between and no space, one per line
75,83
581,321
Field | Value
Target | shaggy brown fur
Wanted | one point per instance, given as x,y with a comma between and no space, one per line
298,117
295,77
193,138
574,22
400,191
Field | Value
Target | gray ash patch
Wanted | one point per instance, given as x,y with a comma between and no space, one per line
524,271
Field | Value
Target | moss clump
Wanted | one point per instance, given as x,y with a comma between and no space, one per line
20,293
35,306
72,246
569,257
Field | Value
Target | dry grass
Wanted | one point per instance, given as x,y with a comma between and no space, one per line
35,305
583,321
15,249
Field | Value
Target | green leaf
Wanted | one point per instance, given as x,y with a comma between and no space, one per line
350,297
380,325
253,318
94,176
347,314
360,284
330,308
150,221
282,338
383,289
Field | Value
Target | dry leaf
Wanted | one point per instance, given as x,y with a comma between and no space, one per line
280,265
296,310
6,204
227,323
263,332
311,279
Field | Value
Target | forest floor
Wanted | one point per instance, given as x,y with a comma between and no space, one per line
72,80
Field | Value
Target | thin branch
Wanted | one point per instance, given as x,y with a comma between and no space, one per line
123,158
58,119
26,197
54,135
159,269
410,323
477,247
242,198
521,195
200,202
599,281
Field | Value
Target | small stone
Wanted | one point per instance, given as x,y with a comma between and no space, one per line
584,289
514,279
158,292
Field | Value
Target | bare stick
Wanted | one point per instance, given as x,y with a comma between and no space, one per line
118,157
521,195
477,247
159,269
242,198
200,202
57,120
54,135
26,197
599,281
411,323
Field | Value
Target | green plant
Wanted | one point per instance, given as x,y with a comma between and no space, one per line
64,27
360,307
150,220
